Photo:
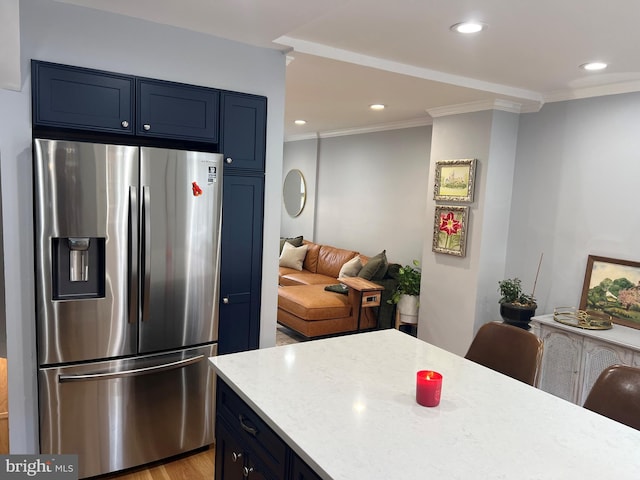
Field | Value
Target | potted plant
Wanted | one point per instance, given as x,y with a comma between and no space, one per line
407,293
516,307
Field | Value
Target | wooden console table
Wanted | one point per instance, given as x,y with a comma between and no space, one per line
574,357
362,292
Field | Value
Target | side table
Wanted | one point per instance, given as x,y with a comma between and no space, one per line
362,292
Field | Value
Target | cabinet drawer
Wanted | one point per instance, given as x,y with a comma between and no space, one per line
174,110
255,434
71,97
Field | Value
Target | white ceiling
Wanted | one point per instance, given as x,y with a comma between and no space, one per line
347,54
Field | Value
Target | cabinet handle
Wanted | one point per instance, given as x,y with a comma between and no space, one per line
124,124
246,471
235,456
225,300
146,127
247,428
229,160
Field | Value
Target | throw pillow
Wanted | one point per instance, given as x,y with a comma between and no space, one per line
293,257
351,268
375,268
295,241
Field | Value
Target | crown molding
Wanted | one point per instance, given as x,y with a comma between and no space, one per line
300,137
596,91
482,105
380,127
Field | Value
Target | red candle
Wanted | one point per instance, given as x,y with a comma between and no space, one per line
428,388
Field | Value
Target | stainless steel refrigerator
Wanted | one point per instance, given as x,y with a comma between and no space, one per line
127,243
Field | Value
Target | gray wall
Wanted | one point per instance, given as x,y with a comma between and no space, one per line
566,189
301,155
559,182
371,190
65,33
451,285
574,193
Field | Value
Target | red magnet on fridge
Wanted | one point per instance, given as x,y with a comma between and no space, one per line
197,191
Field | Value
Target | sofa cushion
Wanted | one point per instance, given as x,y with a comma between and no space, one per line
311,260
312,302
284,271
292,277
331,259
293,257
351,268
295,241
376,267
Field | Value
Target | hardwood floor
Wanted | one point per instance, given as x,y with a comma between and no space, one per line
195,466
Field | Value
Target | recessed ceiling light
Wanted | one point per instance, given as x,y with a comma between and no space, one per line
300,122
376,106
468,27
593,66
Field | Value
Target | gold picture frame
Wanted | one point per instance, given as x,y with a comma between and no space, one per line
455,180
450,229
612,287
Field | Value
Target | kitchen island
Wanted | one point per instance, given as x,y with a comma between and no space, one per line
346,408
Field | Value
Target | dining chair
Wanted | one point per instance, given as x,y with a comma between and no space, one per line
509,350
616,394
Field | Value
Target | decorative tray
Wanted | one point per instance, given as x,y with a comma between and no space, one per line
586,319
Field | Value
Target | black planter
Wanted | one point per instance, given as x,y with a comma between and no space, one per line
517,315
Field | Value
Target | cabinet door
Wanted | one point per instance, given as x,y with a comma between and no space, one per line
302,471
241,263
596,357
173,110
79,98
229,454
636,359
243,130
233,460
560,363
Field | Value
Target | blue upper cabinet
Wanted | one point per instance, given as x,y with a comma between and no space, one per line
172,110
243,130
70,97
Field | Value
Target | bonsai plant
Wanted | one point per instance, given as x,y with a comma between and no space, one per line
407,293
516,307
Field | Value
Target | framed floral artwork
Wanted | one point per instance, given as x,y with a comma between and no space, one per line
612,286
455,180
450,230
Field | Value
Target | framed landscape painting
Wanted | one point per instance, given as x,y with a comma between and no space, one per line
455,180
612,286
450,230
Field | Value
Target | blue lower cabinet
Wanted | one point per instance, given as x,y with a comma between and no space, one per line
302,471
247,448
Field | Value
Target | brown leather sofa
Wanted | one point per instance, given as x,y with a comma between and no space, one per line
305,306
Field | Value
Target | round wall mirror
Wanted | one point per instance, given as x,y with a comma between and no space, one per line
294,192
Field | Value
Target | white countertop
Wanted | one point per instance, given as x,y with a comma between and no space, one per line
347,407
618,334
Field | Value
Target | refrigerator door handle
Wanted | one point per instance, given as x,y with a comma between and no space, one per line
130,373
146,254
132,254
